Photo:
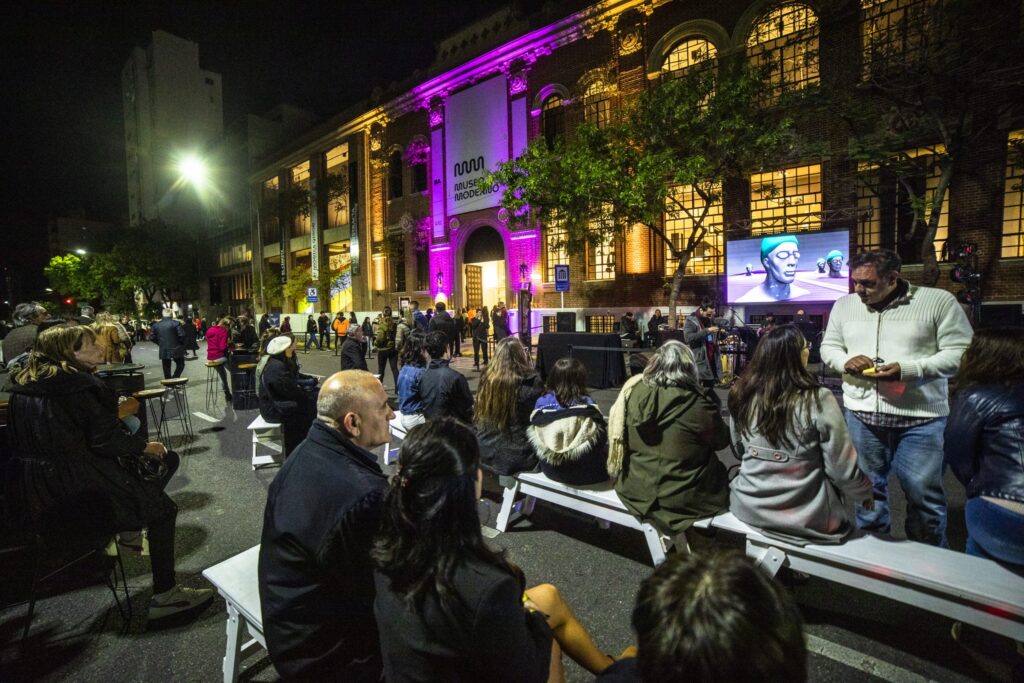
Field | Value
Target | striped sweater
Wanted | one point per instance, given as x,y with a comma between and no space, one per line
924,331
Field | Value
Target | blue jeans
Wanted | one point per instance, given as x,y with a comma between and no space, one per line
311,339
915,453
995,533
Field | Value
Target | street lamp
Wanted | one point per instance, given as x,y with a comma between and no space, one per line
81,252
193,170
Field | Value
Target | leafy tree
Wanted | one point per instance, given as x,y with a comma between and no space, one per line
696,130
934,84
73,275
298,280
156,259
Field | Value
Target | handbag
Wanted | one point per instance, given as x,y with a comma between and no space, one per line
143,467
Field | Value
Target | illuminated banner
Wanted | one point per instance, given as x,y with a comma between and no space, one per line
476,139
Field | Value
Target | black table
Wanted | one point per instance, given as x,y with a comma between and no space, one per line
119,368
604,368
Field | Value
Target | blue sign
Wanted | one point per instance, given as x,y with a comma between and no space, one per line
562,278
311,295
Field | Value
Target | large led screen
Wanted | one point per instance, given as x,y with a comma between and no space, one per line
806,267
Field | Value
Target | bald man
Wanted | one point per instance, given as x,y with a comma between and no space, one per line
323,509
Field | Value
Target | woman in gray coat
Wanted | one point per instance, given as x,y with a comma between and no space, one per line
799,477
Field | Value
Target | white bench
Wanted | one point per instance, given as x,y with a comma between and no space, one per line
397,431
604,504
958,586
266,434
236,580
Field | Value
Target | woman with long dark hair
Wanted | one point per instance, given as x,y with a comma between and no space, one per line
509,389
982,445
798,476
448,607
567,429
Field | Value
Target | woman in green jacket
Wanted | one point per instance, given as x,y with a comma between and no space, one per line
670,475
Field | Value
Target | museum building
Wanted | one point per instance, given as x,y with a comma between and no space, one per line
381,204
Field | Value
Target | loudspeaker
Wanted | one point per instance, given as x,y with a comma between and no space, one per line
565,321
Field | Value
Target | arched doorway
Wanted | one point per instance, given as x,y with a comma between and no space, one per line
484,269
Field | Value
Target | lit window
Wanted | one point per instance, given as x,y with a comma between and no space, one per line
553,119
688,53
301,222
869,210
1013,199
336,163
600,253
597,105
556,252
680,210
270,222
786,200
785,41
893,30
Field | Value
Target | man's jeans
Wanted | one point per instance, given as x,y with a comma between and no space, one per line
311,340
916,455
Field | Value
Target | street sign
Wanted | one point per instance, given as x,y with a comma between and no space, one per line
311,295
562,278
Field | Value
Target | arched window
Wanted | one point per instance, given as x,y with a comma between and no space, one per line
552,119
689,52
395,174
785,41
597,104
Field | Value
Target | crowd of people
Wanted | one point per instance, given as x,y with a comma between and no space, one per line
375,576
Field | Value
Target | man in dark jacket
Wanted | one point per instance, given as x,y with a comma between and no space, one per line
325,337
499,322
416,319
352,357
701,335
315,574
169,335
443,322
445,392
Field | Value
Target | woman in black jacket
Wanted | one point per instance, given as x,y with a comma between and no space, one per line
509,389
284,393
448,607
983,444
76,472
479,327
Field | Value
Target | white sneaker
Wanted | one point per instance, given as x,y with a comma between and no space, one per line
178,599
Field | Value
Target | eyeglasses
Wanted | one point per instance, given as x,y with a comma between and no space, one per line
785,255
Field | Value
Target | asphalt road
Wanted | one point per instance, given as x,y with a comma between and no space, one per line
77,635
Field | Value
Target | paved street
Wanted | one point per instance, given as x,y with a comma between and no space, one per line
79,636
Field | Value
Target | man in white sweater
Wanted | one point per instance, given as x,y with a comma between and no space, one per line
896,344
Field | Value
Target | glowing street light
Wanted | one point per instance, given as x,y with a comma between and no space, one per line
81,252
193,170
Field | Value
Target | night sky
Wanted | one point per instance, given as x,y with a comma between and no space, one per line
62,121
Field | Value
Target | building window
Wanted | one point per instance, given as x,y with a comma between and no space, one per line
553,119
422,270
600,252
600,324
687,53
556,251
597,104
785,42
893,30
270,221
398,261
786,200
886,204
395,175
336,165
550,323
1013,199
301,221
681,208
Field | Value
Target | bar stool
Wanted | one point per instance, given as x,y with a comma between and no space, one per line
246,393
213,387
178,387
147,398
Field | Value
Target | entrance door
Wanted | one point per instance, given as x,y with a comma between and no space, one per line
474,286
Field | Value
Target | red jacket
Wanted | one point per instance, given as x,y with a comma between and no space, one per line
216,342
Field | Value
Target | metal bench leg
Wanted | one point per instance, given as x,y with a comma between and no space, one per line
654,543
771,560
234,646
507,501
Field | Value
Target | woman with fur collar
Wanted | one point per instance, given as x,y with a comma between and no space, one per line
567,429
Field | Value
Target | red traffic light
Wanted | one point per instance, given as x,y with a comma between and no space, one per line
69,301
